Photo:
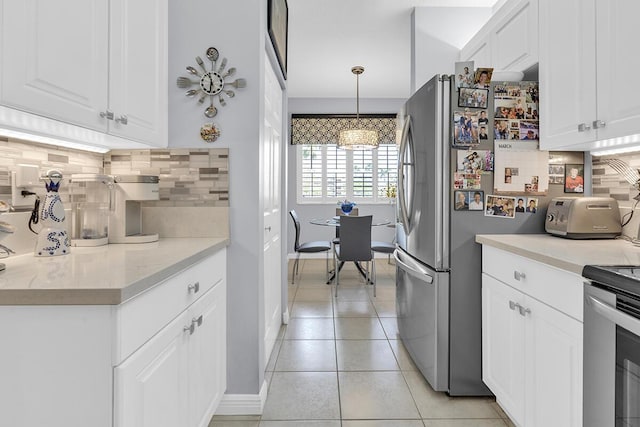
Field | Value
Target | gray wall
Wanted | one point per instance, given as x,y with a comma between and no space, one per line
239,35
309,211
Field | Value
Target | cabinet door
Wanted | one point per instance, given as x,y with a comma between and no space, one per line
478,50
515,38
618,61
554,367
208,355
567,72
138,86
503,345
151,385
55,59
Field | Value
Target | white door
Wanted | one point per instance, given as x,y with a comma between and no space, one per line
151,385
515,39
567,70
271,198
55,59
618,61
503,345
554,367
138,88
207,355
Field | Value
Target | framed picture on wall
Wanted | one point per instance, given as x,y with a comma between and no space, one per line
573,178
278,26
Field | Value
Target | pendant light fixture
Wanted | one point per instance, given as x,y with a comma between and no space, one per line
358,138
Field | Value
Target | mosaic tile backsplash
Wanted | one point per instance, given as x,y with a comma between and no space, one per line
188,177
608,183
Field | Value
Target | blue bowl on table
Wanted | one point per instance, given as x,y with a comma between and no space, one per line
347,207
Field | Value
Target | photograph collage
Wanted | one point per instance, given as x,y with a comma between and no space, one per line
509,207
516,112
470,118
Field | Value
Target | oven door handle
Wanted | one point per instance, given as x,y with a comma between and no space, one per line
609,312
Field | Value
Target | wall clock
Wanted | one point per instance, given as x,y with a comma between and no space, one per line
213,81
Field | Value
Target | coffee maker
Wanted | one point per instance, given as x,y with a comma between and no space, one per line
125,222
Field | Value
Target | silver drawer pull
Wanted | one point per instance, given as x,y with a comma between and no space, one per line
518,275
597,124
194,287
122,119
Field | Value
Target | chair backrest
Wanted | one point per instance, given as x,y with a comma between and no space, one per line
355,238
296,224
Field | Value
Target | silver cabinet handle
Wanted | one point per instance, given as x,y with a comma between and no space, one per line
512,305
597,124
191,328
194,287
518,275
106,114
268,228
122,119
197,320
523,311
583,127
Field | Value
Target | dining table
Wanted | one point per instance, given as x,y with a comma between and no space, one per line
335,222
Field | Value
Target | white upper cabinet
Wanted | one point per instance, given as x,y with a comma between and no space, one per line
509,40
567,72
138,67
55,59
585,62
618,62
96,64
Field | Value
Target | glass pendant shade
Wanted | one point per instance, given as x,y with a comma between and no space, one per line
358,139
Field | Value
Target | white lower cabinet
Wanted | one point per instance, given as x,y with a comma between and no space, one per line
179,376
156,360
532,351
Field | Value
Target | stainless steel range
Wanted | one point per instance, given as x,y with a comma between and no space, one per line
612,346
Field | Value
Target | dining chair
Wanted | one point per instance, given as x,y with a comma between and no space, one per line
354,212
307,247
381,247
354,245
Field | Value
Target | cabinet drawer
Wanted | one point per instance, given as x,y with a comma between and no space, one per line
557,288
142,317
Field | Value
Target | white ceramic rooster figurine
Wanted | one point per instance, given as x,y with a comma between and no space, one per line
53,238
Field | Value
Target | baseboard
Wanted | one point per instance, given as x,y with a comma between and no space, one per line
243,404
285,316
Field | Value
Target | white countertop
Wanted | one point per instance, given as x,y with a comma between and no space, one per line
567,254
105,275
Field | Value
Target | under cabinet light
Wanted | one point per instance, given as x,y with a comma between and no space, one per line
51,141
620,145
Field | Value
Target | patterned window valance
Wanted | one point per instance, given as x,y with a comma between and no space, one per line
324,129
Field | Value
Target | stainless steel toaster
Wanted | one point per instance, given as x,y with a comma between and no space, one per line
583,217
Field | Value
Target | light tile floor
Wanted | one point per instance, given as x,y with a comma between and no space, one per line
340,363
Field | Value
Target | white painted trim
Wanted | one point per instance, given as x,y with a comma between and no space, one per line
243,404
285,317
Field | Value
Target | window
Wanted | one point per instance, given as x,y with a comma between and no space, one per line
327,174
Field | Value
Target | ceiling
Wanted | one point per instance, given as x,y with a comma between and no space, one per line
326,41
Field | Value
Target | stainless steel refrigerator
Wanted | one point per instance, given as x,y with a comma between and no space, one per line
438,262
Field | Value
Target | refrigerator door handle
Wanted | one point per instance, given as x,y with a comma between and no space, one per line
414,269
404,218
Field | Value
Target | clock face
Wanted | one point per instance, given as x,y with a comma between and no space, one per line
211,83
